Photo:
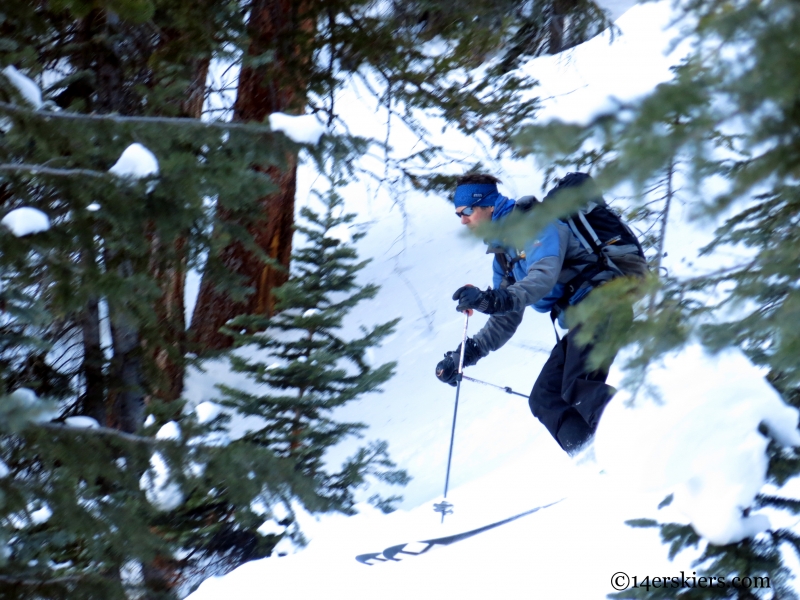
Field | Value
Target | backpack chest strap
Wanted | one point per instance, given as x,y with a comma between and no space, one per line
507,265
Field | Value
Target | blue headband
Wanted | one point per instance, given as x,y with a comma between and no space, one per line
476,194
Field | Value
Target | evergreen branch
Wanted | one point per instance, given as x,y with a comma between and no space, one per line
642,523
103,431
721,273
668,196
109,432
224,125
784,535
790,504
40,170
10,580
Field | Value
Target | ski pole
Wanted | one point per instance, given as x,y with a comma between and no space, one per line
445,507
506,389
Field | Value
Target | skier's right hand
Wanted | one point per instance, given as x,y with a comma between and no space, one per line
447,369
471,355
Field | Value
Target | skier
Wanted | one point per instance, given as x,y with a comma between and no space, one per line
555,270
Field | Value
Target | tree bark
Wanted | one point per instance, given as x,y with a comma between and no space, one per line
126,374
282,28
171,309
97,51
93,401
556,25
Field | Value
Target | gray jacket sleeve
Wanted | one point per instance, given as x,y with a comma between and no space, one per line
540,279
497,331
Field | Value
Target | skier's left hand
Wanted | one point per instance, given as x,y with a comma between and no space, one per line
488,302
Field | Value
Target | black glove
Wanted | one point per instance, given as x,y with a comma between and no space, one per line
447,369
471,355
488,302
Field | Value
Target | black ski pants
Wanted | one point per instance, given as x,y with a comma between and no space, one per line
567,397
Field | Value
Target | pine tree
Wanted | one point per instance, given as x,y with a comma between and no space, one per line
100,512
121,509
307,368
102,524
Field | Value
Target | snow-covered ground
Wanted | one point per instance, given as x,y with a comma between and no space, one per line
504,462
701,444
420,255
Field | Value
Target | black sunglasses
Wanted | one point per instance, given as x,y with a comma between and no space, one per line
468,210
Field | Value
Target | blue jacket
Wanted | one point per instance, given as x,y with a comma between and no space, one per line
540,270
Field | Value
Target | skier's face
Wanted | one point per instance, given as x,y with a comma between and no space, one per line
480,214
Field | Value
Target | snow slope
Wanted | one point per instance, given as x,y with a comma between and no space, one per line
560,552
420,255
700,444
504,462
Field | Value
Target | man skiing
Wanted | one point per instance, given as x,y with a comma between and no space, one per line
555,270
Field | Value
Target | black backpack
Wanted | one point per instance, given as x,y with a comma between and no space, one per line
598,228
601,230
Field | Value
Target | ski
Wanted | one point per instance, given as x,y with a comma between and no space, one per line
417,548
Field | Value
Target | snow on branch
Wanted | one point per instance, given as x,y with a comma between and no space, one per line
163,438
159,488
701,441
66,115
81,422
25,86
104,432
25,221
303,129
136,162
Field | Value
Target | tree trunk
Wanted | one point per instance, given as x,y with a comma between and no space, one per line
126,374
280,27
112,93
93,401
98,51
556,25
171,309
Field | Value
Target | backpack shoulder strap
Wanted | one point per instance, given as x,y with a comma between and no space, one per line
585,233
589,239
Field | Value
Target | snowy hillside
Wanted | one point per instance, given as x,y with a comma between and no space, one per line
421,256
504,461
579,547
